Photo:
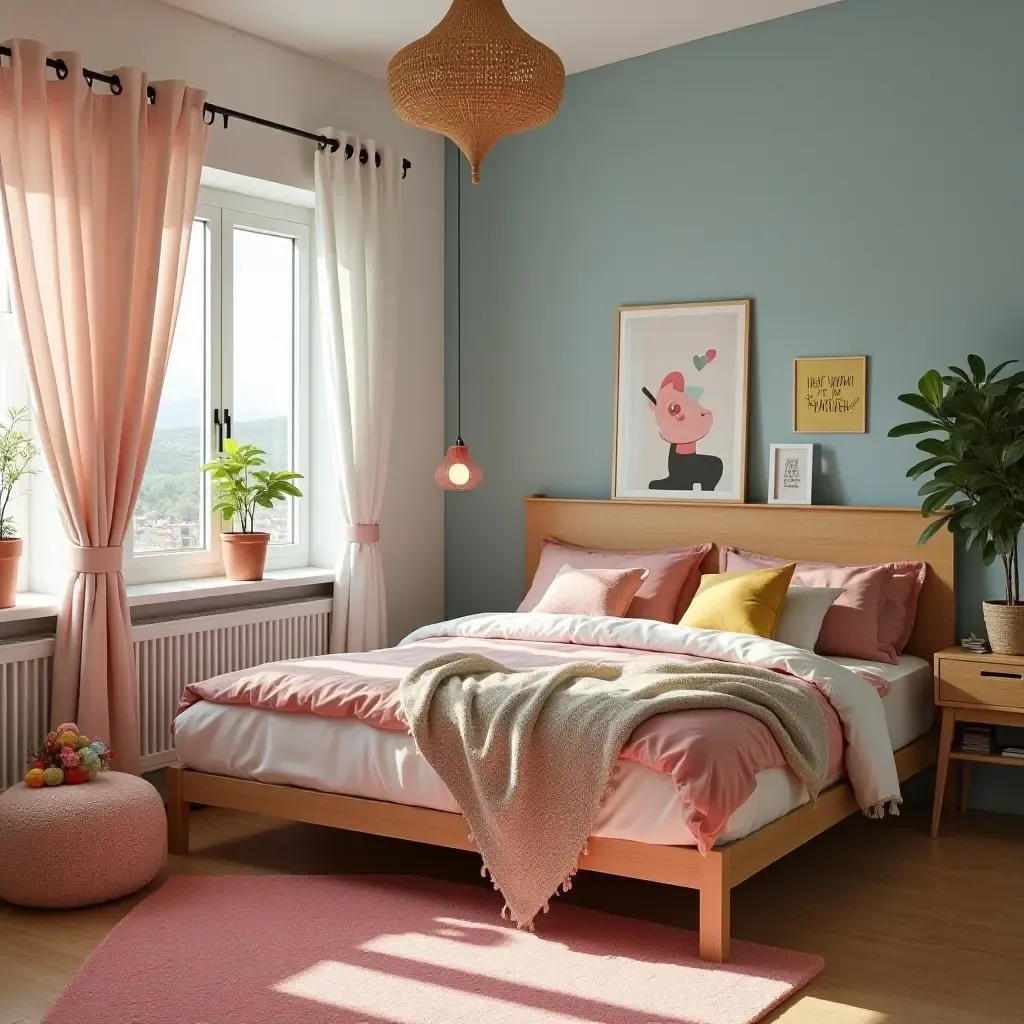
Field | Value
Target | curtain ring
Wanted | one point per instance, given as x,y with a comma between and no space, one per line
321,146
151,94
88,78
363,156
335,145
115,85
212,113
61,68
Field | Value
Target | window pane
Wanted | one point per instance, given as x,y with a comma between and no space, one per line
263,304
170,514
5,274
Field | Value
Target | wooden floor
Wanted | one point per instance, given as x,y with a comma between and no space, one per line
911,930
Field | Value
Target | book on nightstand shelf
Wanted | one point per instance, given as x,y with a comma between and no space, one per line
978,739
1017,752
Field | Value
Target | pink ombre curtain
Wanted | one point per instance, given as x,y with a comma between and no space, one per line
99,193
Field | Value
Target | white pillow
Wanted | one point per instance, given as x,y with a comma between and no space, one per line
803,613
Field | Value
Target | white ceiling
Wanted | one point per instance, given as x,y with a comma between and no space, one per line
363,34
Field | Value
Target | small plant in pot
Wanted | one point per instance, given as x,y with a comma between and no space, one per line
17,450
241,486
976,463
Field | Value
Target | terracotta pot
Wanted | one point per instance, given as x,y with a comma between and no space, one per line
10,556
244,554
1005,625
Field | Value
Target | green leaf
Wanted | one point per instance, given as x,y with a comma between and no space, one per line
933,502
933,528
918,402
992,374
916,427
977,365
930,385
932,446
961,374
1013,454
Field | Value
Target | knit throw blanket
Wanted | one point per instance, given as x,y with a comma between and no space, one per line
528,755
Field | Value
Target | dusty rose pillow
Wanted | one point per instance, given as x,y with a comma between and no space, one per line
673,576
860,624
591,591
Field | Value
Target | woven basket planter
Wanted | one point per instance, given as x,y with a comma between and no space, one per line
1005,625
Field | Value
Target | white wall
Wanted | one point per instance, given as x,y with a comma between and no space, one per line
250,74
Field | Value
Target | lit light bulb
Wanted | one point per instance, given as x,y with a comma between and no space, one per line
458,474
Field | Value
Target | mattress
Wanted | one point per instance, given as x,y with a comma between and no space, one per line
343,755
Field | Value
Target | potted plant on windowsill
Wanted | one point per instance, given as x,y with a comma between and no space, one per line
241,486
977,468
17,450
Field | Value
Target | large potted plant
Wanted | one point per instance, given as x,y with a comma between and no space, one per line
17,450
241,486
976,462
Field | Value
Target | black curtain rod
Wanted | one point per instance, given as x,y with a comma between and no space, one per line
211,111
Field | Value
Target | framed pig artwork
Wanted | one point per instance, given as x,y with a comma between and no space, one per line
681,402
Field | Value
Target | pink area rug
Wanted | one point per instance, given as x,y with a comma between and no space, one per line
384,950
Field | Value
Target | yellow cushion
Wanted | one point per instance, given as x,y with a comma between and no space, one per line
740,602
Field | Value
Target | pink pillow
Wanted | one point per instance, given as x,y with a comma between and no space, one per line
673,576
853,627
591,591
899,602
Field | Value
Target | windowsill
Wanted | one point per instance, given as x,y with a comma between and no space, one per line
31,606
41,606
142,594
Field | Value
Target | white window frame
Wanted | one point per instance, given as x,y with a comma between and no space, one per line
14,393
223,211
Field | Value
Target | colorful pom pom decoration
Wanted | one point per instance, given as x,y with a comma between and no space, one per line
67,757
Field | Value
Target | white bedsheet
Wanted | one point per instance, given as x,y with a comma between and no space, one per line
345,756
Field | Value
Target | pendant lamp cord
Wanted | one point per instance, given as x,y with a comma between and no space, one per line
458,291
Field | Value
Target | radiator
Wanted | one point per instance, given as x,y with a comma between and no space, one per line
175,652
26,673
169,654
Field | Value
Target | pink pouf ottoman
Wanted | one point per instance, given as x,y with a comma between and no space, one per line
68,846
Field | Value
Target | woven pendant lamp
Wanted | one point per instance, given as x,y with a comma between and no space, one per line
476,77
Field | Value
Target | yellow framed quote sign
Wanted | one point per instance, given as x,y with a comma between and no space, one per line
830,395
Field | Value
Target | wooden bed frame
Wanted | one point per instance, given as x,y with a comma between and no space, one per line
808,533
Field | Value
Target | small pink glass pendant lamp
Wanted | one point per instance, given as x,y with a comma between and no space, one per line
458,471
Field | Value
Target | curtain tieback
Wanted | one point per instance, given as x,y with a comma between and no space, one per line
96,560
363,533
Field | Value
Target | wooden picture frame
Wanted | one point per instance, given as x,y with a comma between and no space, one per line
682,373
778,491
830,395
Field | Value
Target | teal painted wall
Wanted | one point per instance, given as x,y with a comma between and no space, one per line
857,171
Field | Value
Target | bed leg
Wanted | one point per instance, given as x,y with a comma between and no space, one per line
714,909
177,810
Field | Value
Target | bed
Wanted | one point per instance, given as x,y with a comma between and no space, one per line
370,780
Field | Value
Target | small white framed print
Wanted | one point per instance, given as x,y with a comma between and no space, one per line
790,471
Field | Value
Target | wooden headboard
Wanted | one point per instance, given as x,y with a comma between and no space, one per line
810,533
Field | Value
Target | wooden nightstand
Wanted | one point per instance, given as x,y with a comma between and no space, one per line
985,688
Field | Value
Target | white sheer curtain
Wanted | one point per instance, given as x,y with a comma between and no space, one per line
357,229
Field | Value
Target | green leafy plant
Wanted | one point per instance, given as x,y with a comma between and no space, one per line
17,450
976,461
241,485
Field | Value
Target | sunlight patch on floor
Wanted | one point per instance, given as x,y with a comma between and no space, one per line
810,1010
348,987
507,956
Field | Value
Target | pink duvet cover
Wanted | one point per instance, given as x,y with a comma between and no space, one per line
713,756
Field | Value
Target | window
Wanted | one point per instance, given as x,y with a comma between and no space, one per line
238,368
14,393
